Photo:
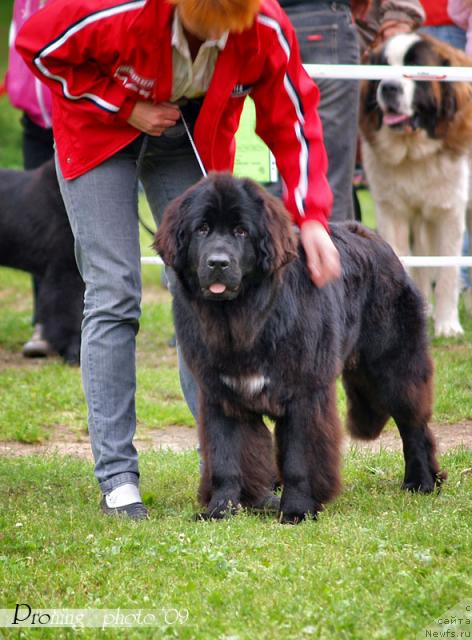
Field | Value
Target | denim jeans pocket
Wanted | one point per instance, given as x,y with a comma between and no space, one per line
326,35
319,44
318,35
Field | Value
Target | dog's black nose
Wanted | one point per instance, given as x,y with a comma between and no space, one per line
390,88
218,261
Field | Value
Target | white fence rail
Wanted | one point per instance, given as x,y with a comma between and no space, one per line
380,72
386,72
408,261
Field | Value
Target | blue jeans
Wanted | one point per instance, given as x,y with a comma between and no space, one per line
327,35
102,206
450,33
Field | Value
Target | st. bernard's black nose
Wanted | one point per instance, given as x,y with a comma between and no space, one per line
390,88
218,261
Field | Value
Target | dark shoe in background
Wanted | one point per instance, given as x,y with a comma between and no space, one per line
37,347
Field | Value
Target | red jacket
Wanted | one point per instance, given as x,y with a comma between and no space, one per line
100,56
436,13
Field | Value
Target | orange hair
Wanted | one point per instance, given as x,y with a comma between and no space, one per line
360,8
222,15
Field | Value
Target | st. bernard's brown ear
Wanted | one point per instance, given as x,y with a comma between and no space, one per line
370,115
170,240
277,242
455,126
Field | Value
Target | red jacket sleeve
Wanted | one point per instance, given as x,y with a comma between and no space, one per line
62,44
286,100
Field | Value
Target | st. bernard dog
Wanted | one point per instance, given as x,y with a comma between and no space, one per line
416,141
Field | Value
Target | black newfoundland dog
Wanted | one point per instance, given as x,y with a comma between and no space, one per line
35,236
261,339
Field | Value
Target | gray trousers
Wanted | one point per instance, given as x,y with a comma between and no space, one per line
102,206
327,35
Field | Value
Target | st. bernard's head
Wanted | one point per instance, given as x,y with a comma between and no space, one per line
442,109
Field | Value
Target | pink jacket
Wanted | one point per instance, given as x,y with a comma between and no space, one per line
24,90
461,14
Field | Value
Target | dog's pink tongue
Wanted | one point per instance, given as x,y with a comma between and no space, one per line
217,287
394,118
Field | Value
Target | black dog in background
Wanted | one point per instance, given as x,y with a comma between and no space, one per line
35,236
261,339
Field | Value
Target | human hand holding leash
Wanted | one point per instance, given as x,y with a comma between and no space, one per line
154,119
322,257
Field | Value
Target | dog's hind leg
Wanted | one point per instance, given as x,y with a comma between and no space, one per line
411,406
308,449
365,418
257,464
60,308
372,399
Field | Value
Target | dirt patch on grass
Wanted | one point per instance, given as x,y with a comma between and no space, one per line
183,438
64,442
15,360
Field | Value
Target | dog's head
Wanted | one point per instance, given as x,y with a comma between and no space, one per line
442,109
224,232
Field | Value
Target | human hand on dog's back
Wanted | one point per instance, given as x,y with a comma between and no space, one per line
322,257
154,119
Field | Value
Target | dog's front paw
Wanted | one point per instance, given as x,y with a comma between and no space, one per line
424,482
295,511
219,510
448,329
293,517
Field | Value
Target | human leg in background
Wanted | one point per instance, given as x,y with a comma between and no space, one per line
37,147
449,33
102,209
327,35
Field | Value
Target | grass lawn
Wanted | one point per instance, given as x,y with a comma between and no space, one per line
10,130
35,399
378,563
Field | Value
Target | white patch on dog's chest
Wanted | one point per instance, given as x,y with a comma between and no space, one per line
246,385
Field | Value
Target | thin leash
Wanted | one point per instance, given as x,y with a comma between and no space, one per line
139,162
142,151
195,150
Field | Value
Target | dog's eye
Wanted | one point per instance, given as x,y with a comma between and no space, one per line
240,232
203,229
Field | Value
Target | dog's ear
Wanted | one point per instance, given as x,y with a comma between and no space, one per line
455,118
171,238
277,242
370,115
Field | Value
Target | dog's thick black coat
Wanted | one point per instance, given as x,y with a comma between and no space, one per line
35,236
261,339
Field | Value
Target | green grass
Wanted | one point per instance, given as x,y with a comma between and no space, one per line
10,130
379,563
6,10
37,397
